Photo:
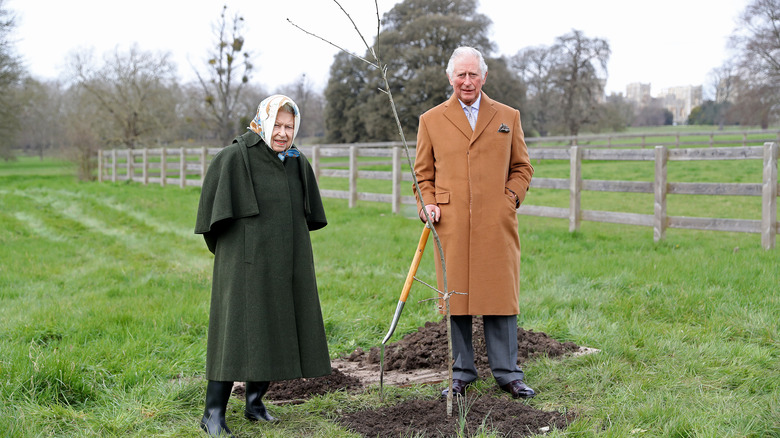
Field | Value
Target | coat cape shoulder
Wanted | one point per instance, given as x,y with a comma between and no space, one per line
227,191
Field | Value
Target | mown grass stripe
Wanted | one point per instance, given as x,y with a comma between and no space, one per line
102,336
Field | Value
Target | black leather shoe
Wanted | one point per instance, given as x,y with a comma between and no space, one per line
518,389
458,388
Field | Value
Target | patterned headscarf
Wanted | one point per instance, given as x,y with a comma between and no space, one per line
263,123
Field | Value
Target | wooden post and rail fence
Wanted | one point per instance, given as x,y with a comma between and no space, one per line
187,166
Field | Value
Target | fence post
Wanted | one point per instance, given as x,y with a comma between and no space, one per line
769,195
100,165
315,161
660,188
396,207
575,188
204,156
353,173
145,166
182,168
163,166
113,165
130,165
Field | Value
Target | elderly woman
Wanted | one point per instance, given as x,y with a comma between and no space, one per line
258,203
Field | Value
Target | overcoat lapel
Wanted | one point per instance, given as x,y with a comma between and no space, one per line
454,113
486,114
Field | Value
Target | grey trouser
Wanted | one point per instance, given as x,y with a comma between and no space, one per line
501,342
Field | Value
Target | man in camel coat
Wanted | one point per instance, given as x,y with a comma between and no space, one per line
472,180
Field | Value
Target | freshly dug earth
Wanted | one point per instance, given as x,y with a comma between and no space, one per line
299,390
502,416
427,349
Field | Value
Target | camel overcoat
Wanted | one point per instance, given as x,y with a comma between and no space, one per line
255,213
471,175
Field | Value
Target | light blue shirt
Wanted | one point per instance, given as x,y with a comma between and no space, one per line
474,105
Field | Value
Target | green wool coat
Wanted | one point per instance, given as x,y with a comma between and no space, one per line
255,214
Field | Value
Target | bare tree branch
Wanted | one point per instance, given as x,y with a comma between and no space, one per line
334,45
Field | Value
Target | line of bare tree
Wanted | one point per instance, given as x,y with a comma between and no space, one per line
747,84
133,98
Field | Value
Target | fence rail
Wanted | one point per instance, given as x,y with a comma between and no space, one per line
681,139
187,166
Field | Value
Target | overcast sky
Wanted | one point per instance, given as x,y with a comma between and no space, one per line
662,42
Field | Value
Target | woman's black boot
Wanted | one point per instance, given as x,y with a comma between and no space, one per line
255,409
213,421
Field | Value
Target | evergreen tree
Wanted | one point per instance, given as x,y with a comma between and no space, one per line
416,42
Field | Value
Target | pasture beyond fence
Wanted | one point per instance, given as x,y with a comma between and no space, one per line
187,167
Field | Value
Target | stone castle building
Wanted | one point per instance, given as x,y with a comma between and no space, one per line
678,100
638,93
681,100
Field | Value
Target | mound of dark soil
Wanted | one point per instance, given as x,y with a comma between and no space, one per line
498,415
299,390
427,348
306,388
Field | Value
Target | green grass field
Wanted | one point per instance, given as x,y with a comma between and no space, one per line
104,294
